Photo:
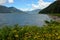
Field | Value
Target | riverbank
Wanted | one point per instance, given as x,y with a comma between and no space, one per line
55,17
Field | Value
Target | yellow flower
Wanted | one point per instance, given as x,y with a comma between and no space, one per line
16,36
56,33
53,30
50,35
29,36
35,37
38,36
26,33
42,38
14,30
37,33
58,37
53,34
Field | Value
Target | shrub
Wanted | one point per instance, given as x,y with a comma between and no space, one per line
49,32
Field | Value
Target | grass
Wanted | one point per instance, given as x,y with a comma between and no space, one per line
49,32
56,14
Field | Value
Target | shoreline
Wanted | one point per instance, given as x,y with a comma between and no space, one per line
54,17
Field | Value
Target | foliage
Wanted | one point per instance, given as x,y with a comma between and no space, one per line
56,14
16,32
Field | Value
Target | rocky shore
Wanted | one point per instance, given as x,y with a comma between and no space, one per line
55,18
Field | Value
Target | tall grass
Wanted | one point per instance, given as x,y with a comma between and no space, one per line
48,32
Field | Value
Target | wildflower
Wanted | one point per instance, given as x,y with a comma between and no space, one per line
42,38
14,30
50,35
58,37
35,37
56,33
16,36
26,33
37,33
53,34
29,36
38,36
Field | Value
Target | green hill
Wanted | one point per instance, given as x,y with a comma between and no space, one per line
53,8
4,9
15,10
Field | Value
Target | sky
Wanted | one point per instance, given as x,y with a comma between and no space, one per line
27,5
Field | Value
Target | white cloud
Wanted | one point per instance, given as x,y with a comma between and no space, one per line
25,9
34,6
11,1
41,4
2,2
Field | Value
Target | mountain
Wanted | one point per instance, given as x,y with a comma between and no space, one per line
15,10
53,8
4,9
33,11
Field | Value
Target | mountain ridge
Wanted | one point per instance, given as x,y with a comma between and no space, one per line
53,8
36,11
4,9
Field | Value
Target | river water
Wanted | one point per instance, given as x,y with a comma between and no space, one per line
23,19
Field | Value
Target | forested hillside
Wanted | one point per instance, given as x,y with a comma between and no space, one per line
53,8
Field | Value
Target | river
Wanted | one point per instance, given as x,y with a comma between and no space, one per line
23,19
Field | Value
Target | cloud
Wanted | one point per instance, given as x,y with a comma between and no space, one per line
41,4
11,1
34,6
25,9
2,2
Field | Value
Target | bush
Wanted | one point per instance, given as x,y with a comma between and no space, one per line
49,32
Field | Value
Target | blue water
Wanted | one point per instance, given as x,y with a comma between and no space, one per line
23,19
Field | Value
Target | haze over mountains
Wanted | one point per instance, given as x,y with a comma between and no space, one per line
4,9
36,11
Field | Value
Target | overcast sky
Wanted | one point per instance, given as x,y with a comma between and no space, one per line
27,5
